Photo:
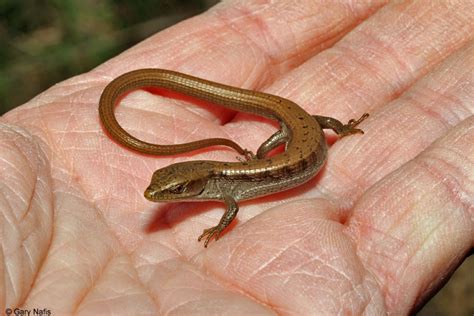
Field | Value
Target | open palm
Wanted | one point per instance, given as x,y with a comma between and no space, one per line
389,217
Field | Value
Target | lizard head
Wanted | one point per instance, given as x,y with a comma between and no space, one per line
180,181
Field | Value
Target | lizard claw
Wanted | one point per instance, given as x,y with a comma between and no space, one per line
350,129
248,156
209,233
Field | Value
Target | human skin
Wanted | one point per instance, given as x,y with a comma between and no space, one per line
382,226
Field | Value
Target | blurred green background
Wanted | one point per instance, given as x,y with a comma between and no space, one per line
43,42
46,41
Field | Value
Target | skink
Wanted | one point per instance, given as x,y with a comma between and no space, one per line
301,133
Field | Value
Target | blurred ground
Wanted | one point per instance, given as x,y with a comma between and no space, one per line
46,41
457,296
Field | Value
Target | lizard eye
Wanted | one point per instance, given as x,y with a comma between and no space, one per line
177,189
187,188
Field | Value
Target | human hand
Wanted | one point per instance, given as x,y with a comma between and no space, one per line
385,222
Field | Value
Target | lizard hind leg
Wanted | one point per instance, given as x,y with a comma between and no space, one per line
279,137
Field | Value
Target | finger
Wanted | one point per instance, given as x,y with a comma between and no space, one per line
245,43
401,130
26,213
415,227
380,59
